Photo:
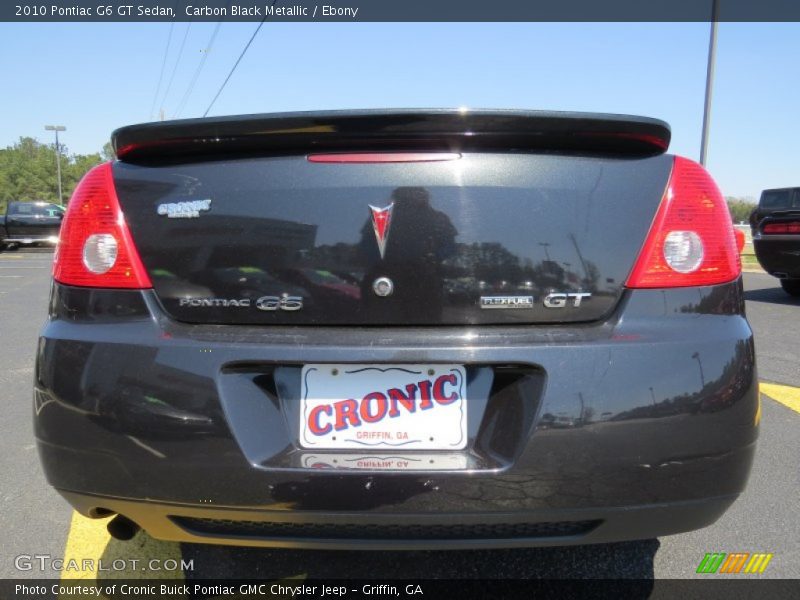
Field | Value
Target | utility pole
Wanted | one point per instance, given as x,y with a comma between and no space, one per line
696,356
546,251
712,57
57,128
580,257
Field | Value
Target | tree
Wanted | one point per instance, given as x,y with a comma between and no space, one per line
108,152
28,171
740,208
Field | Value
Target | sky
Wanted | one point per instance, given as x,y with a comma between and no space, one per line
94,77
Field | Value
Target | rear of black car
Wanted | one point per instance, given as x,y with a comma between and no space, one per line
405,329
775,224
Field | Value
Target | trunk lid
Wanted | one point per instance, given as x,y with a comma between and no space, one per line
248,233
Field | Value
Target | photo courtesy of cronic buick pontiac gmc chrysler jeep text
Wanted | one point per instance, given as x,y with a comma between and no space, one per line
397,329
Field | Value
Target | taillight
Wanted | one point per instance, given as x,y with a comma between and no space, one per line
95,248
786,227
382,157
691,241
741,240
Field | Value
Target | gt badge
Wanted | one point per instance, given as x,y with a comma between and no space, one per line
381,220
559,299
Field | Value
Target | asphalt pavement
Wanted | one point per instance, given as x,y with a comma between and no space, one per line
34,520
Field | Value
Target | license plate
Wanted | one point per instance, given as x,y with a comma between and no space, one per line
409,407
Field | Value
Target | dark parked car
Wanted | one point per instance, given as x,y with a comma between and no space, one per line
776,236
30,223
406,329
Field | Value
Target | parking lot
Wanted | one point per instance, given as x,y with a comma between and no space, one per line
36,521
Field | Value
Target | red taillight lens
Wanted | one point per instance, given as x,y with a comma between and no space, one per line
786,227
382,157
95,248
740,239
691,241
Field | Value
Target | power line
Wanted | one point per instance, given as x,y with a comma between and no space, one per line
161,74
177,61
197,71
236,64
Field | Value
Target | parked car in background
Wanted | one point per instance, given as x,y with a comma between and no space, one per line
30,223
775,224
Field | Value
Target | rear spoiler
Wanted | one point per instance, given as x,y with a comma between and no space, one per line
441,130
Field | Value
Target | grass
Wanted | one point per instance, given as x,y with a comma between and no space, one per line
749,260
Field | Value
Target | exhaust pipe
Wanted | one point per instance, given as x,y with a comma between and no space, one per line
122,528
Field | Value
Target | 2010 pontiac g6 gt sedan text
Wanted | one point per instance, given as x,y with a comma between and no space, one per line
397,329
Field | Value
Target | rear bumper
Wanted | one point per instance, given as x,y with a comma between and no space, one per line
407,531
641,426
779,255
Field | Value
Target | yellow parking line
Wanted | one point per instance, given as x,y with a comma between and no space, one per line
785,394
91,553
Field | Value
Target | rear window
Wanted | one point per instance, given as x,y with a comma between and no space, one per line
29,208
778,199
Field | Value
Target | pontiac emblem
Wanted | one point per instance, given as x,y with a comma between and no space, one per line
381,219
